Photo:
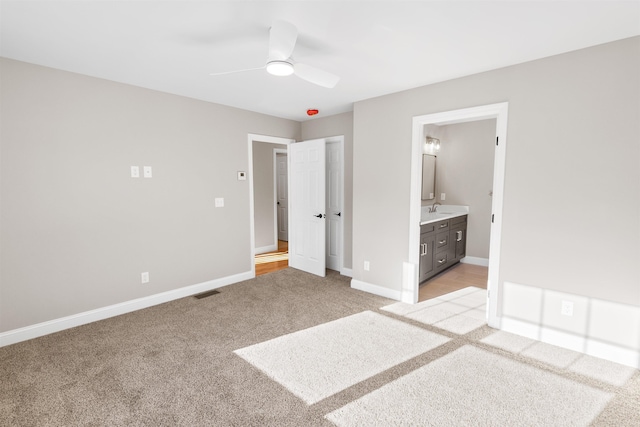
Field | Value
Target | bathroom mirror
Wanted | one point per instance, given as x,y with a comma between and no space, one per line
428,177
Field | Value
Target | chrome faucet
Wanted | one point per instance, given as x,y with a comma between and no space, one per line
434,207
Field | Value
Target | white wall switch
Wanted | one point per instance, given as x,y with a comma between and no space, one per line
567,308
443,196
146,170
135,172
144,277
366,266
219,202
242,176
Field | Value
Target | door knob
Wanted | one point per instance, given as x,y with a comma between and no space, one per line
318,216
338,214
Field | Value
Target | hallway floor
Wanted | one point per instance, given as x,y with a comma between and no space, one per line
273,261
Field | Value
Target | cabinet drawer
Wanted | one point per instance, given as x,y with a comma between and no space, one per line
440,261
442,241
442,225
427,228
458,220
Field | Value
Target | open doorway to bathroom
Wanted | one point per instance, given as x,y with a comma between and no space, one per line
498,112
462,168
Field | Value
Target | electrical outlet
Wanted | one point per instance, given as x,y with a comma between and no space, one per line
567,308
443,196
144,277
146,170
219,202
366,266
135,172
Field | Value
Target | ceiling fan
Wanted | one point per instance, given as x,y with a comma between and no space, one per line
282,41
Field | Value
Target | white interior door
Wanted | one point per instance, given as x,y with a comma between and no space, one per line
334,206
307,206
282,199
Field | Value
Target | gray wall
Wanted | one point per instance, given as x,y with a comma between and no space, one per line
339,124
572,184
77,230
263,193
464,172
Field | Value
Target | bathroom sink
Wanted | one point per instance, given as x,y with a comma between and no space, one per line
442,212
437,216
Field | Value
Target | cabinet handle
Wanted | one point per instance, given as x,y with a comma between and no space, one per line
423,249
459,236
442,261
443,225
442,242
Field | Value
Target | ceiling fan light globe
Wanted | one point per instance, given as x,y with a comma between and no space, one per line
280,68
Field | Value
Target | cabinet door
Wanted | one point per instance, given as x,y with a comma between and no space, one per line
427,245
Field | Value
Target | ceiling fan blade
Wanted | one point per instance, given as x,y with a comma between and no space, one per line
315,75
237,71
282,40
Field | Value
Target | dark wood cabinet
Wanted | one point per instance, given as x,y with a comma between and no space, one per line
427,245
442,245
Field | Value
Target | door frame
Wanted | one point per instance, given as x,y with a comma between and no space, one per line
277,151
499,111
251,138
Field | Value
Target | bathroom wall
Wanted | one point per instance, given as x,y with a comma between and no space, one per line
464,172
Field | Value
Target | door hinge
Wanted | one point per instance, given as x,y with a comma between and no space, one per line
491,218
497,140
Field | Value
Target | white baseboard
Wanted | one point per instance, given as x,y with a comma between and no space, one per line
56,325
346,272
581,344
376,290
265,249
475,261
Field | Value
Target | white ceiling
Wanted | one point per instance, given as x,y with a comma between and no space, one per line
375,47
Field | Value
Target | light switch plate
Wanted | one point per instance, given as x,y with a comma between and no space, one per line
443,196
147,171
219,202
135,172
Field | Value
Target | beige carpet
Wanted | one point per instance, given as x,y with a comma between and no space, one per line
174,365
472,387
318,362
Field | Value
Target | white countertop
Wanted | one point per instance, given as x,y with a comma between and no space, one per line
442,212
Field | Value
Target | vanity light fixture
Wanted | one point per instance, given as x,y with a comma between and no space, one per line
433,144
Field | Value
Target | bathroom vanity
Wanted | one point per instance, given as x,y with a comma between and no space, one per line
443,239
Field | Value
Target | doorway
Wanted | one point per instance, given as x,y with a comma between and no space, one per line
410,291
283,230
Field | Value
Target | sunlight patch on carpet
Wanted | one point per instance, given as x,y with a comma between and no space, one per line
459,312
318,362
486,389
